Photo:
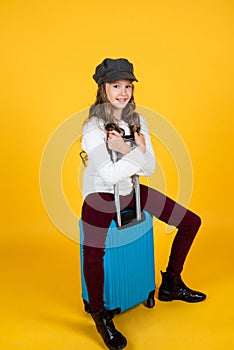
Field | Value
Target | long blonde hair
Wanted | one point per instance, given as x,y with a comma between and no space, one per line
103,110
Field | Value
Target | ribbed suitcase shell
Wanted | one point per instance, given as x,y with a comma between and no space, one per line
128,264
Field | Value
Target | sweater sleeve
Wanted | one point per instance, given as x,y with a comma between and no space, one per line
100,163
150,162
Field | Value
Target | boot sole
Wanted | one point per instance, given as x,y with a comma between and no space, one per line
164,298
114,348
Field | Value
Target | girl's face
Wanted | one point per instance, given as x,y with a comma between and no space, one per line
119,93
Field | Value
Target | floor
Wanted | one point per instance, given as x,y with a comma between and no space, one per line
41,307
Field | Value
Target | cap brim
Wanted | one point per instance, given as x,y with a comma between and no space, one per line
114,76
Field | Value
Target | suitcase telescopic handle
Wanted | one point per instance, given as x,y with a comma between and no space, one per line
136,185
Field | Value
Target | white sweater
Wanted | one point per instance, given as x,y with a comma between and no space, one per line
101,173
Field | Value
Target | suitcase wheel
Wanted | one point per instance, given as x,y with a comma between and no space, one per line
111,312
150,302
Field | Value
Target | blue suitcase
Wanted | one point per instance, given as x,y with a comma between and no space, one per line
129,274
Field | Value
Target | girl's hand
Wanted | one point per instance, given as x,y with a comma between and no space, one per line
140,141
116,143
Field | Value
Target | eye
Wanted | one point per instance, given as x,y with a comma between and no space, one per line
129,86
116,86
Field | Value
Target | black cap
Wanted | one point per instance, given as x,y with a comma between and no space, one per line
111,70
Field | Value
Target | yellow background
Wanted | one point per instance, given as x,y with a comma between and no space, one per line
183,57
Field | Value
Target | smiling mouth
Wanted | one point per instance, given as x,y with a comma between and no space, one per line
121,100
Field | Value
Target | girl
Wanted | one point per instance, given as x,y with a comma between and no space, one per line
115,103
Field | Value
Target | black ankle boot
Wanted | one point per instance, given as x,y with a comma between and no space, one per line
173,288
113,339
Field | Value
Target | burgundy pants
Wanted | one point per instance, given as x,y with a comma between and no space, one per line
97,213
